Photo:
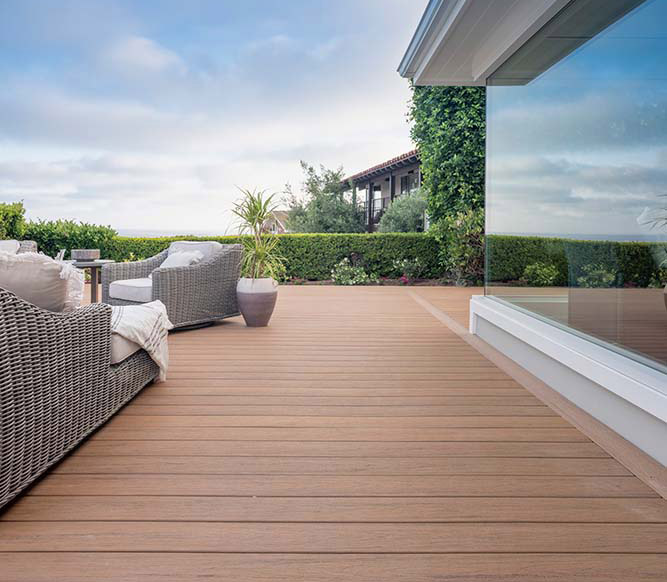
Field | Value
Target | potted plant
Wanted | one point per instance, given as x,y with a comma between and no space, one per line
257,289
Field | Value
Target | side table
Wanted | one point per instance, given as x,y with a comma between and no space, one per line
94,267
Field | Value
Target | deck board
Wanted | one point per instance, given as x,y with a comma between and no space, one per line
356,438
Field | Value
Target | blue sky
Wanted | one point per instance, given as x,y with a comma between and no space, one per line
146,114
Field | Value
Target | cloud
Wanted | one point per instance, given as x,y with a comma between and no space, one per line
533,194
324,50
156,115
140,54
277,43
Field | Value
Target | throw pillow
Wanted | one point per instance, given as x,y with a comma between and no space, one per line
42,281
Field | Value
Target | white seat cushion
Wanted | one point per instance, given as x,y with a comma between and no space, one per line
122,348
42,281
205,247
9,246
137,290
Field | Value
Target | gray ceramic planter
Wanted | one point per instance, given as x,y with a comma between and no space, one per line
257,299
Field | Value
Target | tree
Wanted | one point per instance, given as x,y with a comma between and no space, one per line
449,130
325,207
405,214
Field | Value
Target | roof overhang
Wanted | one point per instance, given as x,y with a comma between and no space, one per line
462,42
407,159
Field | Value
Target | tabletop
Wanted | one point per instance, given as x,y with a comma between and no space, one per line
89,264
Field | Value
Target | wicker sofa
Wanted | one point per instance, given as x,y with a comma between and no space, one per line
56,385
193,295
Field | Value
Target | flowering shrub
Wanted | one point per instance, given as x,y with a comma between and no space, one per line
345,273
408,269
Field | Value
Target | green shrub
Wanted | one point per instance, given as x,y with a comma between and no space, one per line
632,263
405,214
540,275
312,256
345,273
409,269
461,238
596,276
53,235
12,220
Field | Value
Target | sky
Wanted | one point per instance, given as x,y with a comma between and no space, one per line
148,114
582,150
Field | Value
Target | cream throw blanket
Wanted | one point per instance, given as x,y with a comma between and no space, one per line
146,325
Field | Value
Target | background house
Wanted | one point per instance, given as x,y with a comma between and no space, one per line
378,186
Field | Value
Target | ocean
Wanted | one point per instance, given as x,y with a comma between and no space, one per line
148,233
614,237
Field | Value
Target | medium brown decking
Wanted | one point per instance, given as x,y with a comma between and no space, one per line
357,438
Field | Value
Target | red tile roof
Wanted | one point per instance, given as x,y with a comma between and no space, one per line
383,165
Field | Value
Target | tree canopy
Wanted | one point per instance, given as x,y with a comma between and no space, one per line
325,208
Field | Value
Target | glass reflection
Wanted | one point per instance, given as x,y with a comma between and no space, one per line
577,177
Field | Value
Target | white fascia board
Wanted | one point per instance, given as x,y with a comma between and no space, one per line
641,385
441,34
455,28
434,22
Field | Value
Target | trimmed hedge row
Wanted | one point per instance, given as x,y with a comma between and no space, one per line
53,235
312,256
632,263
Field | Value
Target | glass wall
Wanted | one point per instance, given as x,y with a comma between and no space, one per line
577,176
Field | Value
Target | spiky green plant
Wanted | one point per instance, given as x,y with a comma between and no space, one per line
260,257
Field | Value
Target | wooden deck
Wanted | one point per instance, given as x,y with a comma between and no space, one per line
357,438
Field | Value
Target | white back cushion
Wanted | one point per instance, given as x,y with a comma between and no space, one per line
42,281
182,259
9,246
205,247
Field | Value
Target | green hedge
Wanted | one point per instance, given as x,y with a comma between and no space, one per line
12,220
53,235
632,263
312,256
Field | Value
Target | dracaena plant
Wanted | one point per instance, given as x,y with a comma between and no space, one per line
260,258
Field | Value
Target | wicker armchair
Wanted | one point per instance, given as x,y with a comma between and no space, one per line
56,385
194,295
